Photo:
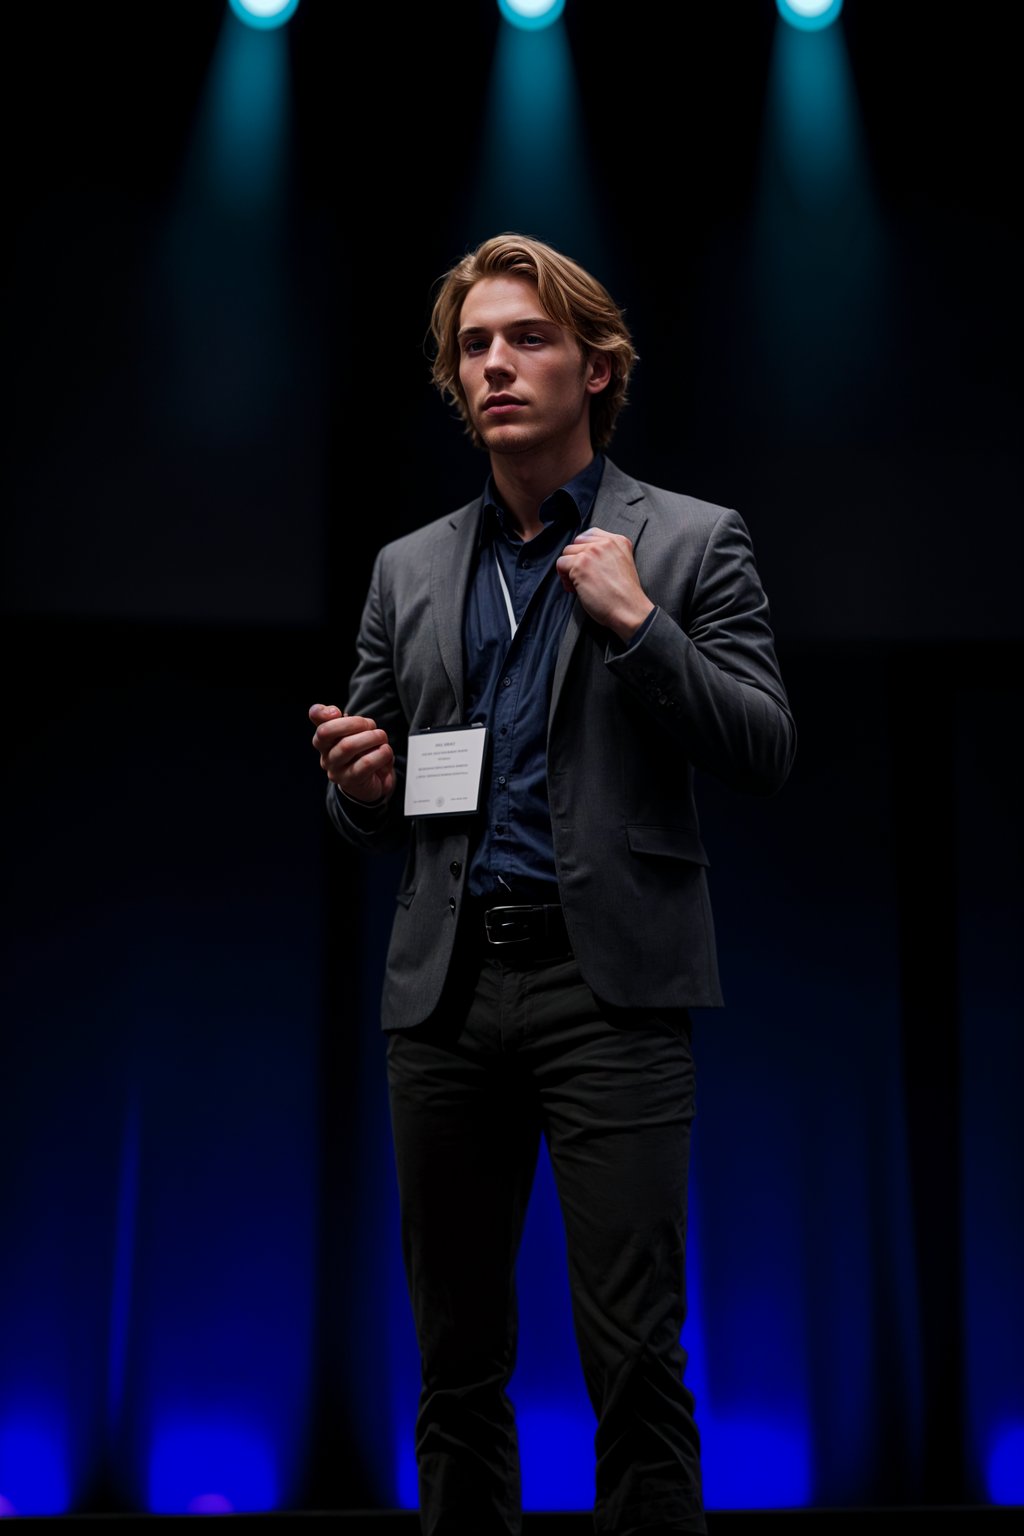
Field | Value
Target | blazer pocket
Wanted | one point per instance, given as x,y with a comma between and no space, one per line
667,842
404,898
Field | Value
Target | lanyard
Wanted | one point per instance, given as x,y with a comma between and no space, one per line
512,624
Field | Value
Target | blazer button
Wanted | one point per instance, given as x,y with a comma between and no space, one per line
451,902
455,867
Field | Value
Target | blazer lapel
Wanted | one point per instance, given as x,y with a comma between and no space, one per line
618,509
449,583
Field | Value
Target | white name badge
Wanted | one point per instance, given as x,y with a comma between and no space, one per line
444,770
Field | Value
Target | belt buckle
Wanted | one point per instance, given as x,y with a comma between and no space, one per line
520,911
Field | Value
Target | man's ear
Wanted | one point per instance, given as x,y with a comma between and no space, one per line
599,372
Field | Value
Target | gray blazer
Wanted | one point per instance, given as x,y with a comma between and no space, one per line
626,728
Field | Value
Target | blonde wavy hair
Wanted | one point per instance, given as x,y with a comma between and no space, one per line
567,292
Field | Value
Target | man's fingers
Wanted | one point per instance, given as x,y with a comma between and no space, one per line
338,726
594,535
343,753
371,778
354,753
368,764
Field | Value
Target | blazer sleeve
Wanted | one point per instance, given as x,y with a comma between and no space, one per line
373,691
708,674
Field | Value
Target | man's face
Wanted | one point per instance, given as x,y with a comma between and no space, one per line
526,381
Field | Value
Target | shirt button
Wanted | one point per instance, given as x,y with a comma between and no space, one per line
506,682
499,827
502,780
503,731
455,867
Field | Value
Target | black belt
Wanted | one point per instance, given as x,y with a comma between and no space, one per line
521,933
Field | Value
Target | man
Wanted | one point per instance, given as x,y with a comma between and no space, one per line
594,640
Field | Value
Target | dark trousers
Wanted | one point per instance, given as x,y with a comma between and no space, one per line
513,1053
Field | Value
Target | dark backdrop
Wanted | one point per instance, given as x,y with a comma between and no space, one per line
217,272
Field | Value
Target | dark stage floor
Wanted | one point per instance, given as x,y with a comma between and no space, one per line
807,1522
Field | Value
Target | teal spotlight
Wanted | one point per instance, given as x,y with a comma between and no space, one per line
809,15
531,15
264,14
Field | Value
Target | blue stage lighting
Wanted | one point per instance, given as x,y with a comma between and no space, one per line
264,13
530,15
34,1473
1006,1466
213,1465
809,15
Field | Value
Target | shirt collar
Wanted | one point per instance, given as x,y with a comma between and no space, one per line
573,502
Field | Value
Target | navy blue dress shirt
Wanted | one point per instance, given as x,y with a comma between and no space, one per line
508,681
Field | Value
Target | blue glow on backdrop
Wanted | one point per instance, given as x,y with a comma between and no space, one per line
211,1464
124,1267
1006,1467
556,1443
755,1463
801,1241
406,1475
222,1356
748,1461
34,1476
157,1288
58,1135
992,1070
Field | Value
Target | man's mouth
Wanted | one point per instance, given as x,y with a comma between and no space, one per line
500,405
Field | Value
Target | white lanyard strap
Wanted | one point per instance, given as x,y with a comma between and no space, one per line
513,626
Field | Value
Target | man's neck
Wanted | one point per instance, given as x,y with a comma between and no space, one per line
524,483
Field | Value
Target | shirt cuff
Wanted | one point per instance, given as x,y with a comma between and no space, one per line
620,647
644,627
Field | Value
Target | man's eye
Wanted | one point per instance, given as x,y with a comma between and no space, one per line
531,338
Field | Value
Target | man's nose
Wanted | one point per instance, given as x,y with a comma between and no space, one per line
498,359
